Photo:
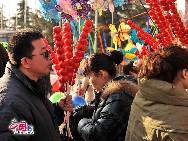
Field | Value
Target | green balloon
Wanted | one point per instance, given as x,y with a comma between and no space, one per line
56,97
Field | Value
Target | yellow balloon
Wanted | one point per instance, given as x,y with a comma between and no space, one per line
129,46
130,56
110,49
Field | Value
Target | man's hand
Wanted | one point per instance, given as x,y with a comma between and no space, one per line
66,103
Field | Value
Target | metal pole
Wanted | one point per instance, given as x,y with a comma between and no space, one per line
96,25
2,17
111,33
25,12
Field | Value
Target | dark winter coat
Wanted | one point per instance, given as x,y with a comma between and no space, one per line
23,99
110,120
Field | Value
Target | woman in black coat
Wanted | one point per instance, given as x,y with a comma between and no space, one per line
110,118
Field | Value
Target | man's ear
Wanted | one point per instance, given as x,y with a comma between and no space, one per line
25,62
184,74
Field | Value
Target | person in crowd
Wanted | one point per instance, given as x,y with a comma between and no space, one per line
3,59
23,98
160,108
113,100
130,71
86,90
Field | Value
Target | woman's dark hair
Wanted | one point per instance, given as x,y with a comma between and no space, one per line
165,64
20,45
3,59
102,61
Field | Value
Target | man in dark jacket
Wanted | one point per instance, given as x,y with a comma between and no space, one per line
25,112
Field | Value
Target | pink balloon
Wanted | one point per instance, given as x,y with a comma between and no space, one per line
111,7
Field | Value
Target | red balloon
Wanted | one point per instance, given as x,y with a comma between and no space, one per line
67,35
129,22
52,55
89,23
68,55
67,49
61,79
63,71
58,37
57,29
59,51
57,67
61,64
58,43
62,87
54,61
80,54
83,41
84,35
86,29
76,65
70,69
60,57
68,42
66,62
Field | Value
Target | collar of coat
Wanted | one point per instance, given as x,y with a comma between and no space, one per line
163,92
119,86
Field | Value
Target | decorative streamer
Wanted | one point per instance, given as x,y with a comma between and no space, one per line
101,43
104,40
148,25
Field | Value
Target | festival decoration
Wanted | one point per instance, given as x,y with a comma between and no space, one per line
81,7
119,35
66,9
48,10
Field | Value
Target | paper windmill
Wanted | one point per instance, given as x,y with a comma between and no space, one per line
119,35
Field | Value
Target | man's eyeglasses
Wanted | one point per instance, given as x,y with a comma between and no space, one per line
44,54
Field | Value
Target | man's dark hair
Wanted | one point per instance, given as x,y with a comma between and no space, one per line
3,59
165,64
20,45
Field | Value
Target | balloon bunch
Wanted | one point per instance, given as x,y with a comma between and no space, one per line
165,15
48,10
66,9
65,61
175,21
81,7
165,37
146,37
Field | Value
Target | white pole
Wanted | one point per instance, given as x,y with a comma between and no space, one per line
2,17
96,25
25,12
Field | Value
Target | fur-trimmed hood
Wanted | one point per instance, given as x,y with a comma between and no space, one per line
119,86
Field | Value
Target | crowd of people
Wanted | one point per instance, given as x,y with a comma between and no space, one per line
148,103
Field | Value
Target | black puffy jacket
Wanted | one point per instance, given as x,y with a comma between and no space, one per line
21,100
109,121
